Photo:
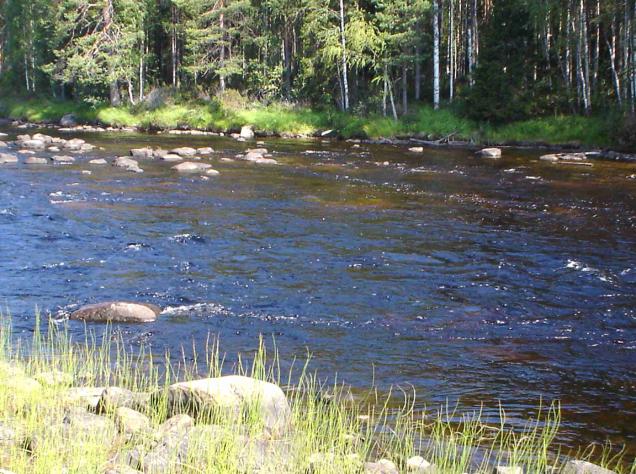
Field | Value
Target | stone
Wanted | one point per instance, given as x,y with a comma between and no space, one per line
3,144
416,149
113,398
34,160
584,467
171,157
7,158
183,151
44,138
490,153
205,151
177,424
189,167
564,157
229,396
26,152
121,469
89,396
21,386
417,464
552,158
383,466
130,422
84,421
247,132
509,470
128,164
98,161
260,151
142,152
160,153
75,144
68,120
54,378
54,149
117,312
33,144
62,159
9,437
87,172
212,172
258,158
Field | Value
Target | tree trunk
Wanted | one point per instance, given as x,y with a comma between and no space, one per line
173,46
405,90
222,52
418,73
451,52
344,57
115,96
436,71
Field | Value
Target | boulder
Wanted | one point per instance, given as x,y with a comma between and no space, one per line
142,152
7,158
184,151
178,424
80,421
416,149
112,398
490,153
117,312
189,167
383,466
68,120
26,152
128,164
54,149
418,464
3,144
160,153
508,470
247,132
98,161
44,138
584,467
130,422
89,396
34,160
260,151
212,172
205,150
258,158
568,157
171,157
230,396
33,144
62,159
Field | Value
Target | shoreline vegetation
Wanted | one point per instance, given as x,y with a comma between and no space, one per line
96,405
279,119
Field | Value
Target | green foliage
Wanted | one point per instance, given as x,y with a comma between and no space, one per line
501,89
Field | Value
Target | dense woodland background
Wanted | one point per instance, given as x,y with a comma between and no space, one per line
497,60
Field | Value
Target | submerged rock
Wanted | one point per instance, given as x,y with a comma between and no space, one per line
490,153
189,167
117,312
128,164
7,158
34,160
230,396
184,151
254,157
62,159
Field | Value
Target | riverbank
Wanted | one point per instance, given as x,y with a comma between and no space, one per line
423,123
104,407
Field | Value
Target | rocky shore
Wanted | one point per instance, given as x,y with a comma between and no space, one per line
69,124
55,414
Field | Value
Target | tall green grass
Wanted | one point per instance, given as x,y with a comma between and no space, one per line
422,122
330,431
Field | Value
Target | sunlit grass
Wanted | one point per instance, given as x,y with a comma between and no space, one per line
422,122
330,431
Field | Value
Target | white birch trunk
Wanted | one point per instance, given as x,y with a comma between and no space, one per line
436,70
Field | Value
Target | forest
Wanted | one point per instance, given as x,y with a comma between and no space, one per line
492,61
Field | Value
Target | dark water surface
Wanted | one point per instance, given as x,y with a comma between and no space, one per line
471,280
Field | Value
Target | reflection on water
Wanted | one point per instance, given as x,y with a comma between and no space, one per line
473,280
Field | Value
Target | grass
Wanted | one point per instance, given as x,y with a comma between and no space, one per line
423,121
330,432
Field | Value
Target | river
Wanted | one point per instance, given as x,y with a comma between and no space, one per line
472,280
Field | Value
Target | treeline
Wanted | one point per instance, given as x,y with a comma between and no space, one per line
500,59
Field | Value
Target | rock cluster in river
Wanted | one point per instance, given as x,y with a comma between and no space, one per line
572,159
117,312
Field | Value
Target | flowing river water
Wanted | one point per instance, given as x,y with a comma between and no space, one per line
474,281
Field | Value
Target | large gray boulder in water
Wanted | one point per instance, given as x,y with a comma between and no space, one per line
68,120
247,132
117,312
